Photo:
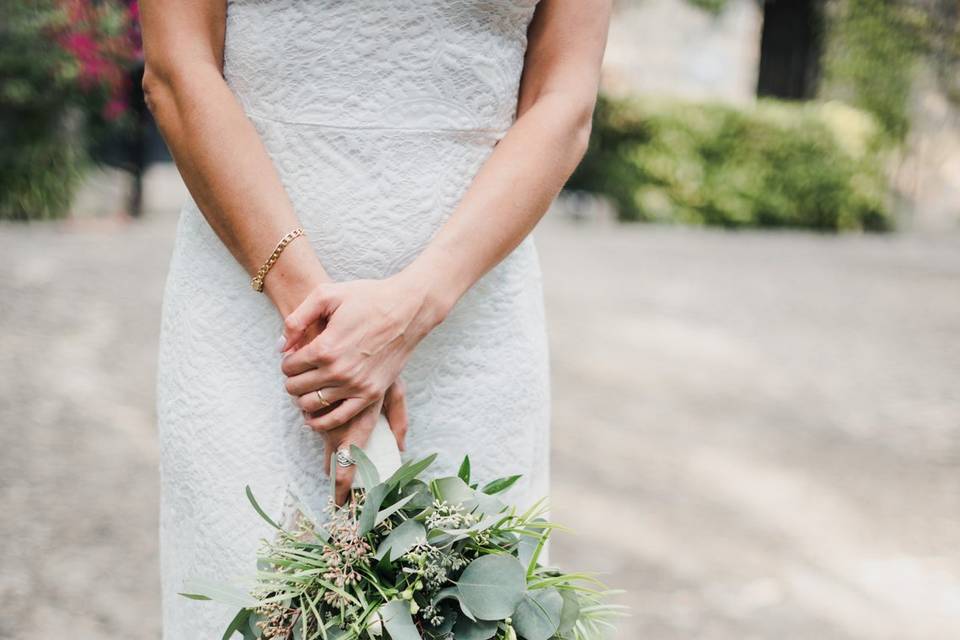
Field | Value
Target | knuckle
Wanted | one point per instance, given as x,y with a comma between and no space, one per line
321,351
292,323
342,373
317,354
366,388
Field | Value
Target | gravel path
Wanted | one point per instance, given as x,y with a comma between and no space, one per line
756,435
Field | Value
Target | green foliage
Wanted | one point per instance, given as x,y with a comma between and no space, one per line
453,562
38,172
814,166
713,6
62,73
873,48
870,56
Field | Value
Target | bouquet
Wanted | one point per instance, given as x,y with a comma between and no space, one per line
414,559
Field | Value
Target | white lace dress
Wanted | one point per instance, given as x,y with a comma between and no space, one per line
377,116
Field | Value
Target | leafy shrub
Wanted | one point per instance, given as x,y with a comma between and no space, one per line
63,70
814,166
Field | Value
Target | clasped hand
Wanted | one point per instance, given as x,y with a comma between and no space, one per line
350,341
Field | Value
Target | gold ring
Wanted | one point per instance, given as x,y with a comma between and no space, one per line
324,403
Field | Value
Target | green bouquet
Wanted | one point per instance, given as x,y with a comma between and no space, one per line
413,559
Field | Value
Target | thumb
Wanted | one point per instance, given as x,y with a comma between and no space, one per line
319,304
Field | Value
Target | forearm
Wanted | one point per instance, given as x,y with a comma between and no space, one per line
506,199
231,177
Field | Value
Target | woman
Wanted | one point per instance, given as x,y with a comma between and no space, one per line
416,144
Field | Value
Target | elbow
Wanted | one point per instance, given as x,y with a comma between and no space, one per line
157,91
167,83
581,129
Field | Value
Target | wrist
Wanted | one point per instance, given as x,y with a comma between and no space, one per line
436,284
293,277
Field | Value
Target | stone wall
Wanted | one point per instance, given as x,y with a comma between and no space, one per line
927,175
674,49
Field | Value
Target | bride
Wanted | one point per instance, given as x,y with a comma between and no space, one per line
364,177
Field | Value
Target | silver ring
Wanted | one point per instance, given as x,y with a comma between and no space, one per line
324,403
344,459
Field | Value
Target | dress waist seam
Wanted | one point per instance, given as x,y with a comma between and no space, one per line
497,132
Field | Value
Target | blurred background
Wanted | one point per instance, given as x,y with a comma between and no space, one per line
756,394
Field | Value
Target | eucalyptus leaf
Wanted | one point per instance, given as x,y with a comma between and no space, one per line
570,611
422,498
256,506
195,596
408,471
500,484
464,472
403,538
442,631
525,550
454,594
466,629
398,621
455,491
538,615
392,509
239,623
224,593
488,504
492,586
252,631
367,470
371,507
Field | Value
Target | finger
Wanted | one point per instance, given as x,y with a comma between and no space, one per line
315,354
357,433
318,305
344,480
337,416
395,409
309,381
319,400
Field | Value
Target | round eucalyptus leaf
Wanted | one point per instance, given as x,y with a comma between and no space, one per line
466,629
570,611
491,587
455,491
538,615
421,492
402,539
398,621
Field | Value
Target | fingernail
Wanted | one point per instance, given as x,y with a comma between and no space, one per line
280,342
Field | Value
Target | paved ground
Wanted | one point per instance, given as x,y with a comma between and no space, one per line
757,435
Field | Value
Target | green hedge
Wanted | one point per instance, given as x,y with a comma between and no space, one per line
813,166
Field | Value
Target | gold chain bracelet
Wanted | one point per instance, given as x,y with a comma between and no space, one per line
257,282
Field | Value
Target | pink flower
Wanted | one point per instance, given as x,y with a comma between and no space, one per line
80,45
115,108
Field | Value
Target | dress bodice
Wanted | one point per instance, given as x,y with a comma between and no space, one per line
397,64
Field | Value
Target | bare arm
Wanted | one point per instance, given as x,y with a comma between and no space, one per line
217,150
374,325
515,186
